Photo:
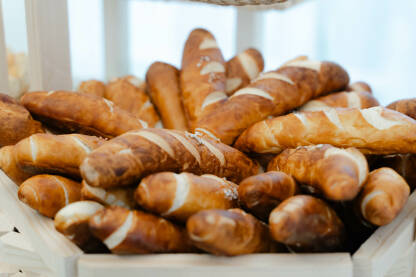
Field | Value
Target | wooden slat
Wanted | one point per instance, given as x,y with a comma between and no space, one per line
404,265
48,42
379,253
4,79
58,253
5,225
264,265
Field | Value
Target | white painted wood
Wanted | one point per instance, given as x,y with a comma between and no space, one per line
380,252
48,42
404,265
4,77
175,265
249,29
116,38
7,270
58,253
5,225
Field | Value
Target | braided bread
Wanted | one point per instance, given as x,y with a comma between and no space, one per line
83,113
338,173
178,196
129,157
375,130
242,69
135,232
273,93
405,106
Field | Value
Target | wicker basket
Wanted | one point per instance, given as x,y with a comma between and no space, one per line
241,2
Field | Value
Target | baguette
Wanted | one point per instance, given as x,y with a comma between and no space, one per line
47,153
83,113
202,77
383,196
405,106
229,232
337,173
10,167
16,122
72,221
163,87
123,197
271,94
178,196
353,99
242,69
260,194
49,193
129,94
375,130
359,86
93,87
128,158
307,224
135,232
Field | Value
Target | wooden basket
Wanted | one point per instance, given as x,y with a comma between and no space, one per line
388,252
242,2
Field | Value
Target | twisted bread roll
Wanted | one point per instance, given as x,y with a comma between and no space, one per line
129,157
384,195
359,86
353,99
376,130
47,153
16,122
72,221
229,232
307,224
338,173
93,87
83,113
273,93
178,196
129,94
242,69
10,167
135,232
405,106
49,193
163,87
260,194
123,197
202,77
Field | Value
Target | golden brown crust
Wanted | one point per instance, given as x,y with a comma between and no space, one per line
123,197
242,69
202,76
163,87
178,196
375,130
307,224
78,112
47,153
129,94
49,193
138,232
273,93
129,157
229,232
359,86
9,165
336,173
16,121
405,106
383,196
261,193
93,87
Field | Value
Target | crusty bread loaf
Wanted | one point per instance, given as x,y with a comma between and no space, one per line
93,87
123,197
49,193
359,86
336,173
383,196
135,232
375,130
405,106
124,160
163,87
83,113
16,122
307,224
178,196
10,166
229,232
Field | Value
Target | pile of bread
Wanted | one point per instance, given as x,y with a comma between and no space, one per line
100,163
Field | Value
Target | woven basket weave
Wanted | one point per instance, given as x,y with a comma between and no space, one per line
241,2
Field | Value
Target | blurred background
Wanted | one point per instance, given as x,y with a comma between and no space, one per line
375,40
